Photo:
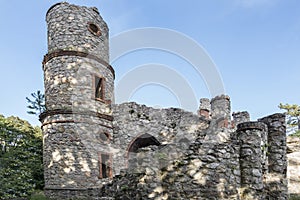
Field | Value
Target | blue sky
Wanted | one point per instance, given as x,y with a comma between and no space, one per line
255,45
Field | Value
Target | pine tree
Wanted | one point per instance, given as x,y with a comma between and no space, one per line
37,105
293,114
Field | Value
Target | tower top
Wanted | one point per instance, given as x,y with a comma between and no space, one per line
77,28
64,2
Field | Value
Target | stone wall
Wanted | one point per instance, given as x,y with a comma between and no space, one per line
277,161
206,170
67,30
69,81
77,125
240,117
225,164
252,137
95,149
171,126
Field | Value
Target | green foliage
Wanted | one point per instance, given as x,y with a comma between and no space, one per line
21,168
296,134
37,105
294,197
292,109
38,195
293,114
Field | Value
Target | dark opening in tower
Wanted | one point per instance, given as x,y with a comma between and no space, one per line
99,87
105,165
94,29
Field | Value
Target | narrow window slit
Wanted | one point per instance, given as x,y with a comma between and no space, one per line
99,88
105,164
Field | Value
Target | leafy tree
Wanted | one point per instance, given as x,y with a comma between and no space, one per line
293,114
37,104
21,169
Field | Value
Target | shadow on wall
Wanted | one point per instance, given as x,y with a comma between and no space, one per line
205,170
225,164
68,161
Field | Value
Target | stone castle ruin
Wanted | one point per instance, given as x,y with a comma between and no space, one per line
96,149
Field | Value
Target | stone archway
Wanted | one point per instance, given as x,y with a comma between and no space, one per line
137,144
141,141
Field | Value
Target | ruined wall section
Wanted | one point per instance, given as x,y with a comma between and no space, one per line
171,126
208,167
207,170
240,117
220,112
225,164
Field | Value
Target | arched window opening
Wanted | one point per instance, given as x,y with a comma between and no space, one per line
137,156
143,141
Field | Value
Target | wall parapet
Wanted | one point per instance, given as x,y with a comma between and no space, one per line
240,117
251,125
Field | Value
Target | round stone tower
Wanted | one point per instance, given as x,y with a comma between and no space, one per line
79,91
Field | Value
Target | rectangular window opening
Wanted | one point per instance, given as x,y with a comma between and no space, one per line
99,87
105,165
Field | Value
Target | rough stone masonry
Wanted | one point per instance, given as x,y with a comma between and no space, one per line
96,149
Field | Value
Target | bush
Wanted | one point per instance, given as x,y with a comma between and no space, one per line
38,195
